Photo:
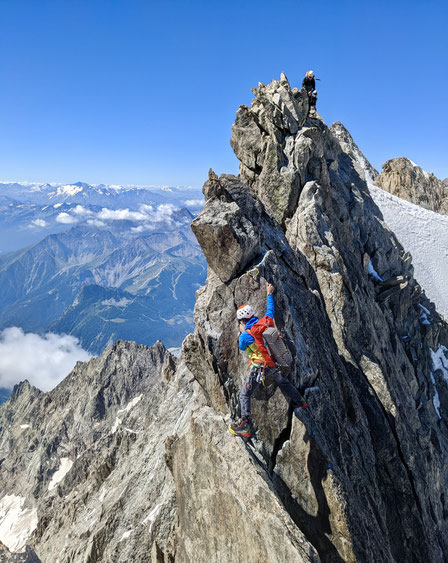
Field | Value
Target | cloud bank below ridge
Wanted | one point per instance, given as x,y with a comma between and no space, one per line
43,360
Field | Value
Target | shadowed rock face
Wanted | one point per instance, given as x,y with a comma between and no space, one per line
361,476
366,171
403,178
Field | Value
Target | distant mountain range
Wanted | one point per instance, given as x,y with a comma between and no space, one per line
108,262
28,212
97,194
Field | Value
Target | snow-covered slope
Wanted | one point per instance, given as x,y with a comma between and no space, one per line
424,234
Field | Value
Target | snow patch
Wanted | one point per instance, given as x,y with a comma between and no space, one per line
131,404
125,535
123,302
424,309
424,316
435,399
16,522
440,361
68,190
373,272
152,516
24,426
117,423
64,468
424,319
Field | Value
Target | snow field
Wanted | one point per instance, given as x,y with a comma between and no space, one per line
16,522
424,234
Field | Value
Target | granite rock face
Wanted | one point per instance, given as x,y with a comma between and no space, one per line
150,472
89,455
403,178
348,145
273,148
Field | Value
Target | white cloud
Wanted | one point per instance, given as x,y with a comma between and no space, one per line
141,228
194,203
38,223
43,360
120,215
81,210
164,212
147,216
66,219
96,223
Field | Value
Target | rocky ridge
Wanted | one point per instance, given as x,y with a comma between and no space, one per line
403,178
150,469
366,171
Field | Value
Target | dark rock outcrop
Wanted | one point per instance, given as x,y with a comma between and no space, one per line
359,477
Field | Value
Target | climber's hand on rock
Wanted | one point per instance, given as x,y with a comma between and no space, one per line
270,289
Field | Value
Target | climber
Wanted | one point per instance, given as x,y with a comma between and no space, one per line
309,82
261,363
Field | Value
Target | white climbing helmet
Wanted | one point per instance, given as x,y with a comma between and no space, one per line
244,312
310,73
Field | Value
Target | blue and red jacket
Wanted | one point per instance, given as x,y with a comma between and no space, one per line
252,337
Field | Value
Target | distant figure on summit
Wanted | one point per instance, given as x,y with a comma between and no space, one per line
262,365
309,83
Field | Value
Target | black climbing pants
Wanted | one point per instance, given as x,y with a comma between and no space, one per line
251,383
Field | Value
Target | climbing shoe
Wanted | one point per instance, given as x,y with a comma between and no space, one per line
242,429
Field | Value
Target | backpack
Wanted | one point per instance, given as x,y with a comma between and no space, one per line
277,347
269,343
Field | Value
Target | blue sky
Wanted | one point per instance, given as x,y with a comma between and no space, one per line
146,92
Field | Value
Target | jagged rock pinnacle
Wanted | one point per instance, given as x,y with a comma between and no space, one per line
269,140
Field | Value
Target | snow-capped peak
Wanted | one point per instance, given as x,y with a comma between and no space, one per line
68,190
